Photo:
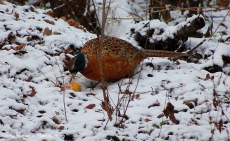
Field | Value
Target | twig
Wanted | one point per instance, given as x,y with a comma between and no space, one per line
105,95
219,25
45,76
191,50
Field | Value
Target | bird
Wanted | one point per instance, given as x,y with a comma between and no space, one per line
119,58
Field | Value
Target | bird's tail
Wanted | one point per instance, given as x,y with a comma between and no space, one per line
161,53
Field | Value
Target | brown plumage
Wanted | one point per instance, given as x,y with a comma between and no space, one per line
119,58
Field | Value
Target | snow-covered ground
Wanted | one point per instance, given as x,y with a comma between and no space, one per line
32,75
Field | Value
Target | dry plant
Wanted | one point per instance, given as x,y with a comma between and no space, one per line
106,103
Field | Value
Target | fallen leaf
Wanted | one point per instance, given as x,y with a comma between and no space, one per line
169,112
50,13
177,63
74,23
215,102
207,77
47,31
33,92
72,94
137,96
147,120
16,15
127,92
90,106
49,21
19,47
55,120
61,127
21,111
220,125
191,103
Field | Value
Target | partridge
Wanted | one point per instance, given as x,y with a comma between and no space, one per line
118,57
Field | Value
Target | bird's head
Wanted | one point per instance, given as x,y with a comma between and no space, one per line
77,63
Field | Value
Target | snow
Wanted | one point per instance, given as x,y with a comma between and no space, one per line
31,81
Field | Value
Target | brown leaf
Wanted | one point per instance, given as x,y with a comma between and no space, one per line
147,120
215,102
50,13
55,120
16,15
220,125
33,92
61,127
29,78
72,94
177,63
127,92
169,112
97,126
47,31
208,76
2,3
90,106
74,23
137,96
19,47
49,21
191,103
21,111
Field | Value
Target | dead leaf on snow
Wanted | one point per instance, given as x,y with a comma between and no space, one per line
33,92
19,47
90,106
147,120
61,127
47,32
127,92
16,15
49,21
55,120
169,112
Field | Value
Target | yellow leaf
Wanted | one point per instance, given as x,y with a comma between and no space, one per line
75,86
